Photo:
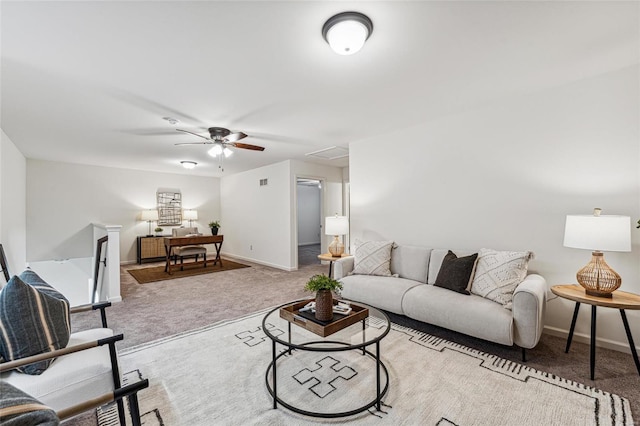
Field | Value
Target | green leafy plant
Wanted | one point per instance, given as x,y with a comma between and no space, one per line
159,229
214,224
322,282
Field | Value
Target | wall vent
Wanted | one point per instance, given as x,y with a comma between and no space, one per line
263,182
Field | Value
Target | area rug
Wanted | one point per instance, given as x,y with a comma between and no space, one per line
157,273
216,375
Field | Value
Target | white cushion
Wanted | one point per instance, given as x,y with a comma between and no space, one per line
382,292
72,378
498,273
410,262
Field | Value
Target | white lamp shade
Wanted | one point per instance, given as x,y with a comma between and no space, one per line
336,225
602,233
190,215
149,215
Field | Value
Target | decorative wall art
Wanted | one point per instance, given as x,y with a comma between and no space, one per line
169,207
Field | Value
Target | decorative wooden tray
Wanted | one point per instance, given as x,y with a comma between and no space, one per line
292,314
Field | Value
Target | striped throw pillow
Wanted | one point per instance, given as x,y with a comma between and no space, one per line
34,318
19,408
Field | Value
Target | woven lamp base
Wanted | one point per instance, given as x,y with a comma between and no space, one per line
597,278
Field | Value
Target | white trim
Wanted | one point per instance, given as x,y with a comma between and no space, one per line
259,262
585,338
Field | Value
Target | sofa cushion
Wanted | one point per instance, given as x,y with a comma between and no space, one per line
498,273
373,258
71,378
472,315
436,258
456,272
34,318
382,292
18,408
410,262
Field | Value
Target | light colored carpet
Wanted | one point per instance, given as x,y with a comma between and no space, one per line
216,375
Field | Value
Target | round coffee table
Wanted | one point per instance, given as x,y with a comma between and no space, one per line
356,337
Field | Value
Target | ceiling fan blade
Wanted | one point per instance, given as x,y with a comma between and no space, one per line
236,137
247,146
194,143
194,134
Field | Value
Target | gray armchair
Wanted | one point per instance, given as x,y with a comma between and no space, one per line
187,251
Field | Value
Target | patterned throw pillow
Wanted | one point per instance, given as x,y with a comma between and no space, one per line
456,272
498,273
373,258
17,408
33,319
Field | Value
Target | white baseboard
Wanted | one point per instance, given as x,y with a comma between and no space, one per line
259,262
584,338
128,262
115,299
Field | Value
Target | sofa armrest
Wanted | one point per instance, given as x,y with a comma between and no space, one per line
529,305
342,267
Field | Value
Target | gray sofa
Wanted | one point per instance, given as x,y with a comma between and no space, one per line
413,294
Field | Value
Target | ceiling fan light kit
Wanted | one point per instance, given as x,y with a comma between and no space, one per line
188,164
222,140
346,32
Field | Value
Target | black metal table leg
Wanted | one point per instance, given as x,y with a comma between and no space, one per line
632,346
330,268
573,326
289,325
275,387
364,327
379,397
592,361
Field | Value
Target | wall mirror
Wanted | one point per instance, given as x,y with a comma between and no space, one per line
169,207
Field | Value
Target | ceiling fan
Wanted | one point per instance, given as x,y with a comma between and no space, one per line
221,139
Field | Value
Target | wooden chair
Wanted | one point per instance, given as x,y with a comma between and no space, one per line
187,251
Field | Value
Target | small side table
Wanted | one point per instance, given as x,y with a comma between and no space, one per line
330,258
620,300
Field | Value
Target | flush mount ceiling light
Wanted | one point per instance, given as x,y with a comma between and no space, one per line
346,32
188,164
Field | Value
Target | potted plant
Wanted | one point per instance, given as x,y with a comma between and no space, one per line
214,225
323,285
158,231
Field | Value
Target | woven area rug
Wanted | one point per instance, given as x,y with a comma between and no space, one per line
216,375
157,273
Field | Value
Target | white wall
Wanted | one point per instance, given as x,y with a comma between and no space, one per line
259,223
255,219
309,221
505,176
13,234
64,199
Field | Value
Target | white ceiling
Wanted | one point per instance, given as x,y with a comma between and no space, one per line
89,82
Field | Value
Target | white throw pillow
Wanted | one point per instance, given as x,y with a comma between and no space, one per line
498,273
373,258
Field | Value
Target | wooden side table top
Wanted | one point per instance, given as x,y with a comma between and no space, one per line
330,258
619,299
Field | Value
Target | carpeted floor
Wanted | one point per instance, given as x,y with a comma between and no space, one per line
161,309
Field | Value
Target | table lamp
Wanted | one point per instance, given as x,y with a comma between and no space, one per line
149,216
336,226
190,215
598,233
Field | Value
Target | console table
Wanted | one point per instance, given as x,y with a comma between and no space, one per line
620,300
170,242
149,248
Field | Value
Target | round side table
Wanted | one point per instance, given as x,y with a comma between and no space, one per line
620,300
330,258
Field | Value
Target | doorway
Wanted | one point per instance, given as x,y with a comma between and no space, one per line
309,213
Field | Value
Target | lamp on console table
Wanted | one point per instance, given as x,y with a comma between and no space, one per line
336,226
149,216
598,233
190,215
